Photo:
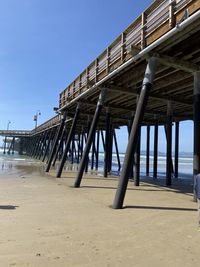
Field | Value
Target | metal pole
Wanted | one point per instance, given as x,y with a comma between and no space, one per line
36,145
82,143
89,140
130,123
137,161
86,137
117,151
107,143
131,148
72,150
110,149
55,143
169,146
48,144
103,141
40,145
13,147
97,153
172,166
78,145
93,151
43,145
155,156
59,145
196,118
176,158
4,148
69,139
148,149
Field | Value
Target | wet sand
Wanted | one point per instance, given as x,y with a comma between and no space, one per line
46,222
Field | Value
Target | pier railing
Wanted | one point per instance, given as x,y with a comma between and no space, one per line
159,18
53,122
47,125
10,133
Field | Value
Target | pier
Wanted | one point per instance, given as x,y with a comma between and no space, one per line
148,77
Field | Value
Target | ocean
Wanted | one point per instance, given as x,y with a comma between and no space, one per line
10,163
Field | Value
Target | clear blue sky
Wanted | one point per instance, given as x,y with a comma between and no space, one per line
45,44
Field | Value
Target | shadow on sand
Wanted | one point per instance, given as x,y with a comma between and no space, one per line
8,207
159,208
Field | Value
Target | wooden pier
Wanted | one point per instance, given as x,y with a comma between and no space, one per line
149,76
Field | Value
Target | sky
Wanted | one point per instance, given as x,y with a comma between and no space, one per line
46,44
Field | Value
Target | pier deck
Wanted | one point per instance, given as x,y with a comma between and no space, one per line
120,68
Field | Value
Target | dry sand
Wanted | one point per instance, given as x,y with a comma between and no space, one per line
46,222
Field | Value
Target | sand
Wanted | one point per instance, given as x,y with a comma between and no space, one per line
46,222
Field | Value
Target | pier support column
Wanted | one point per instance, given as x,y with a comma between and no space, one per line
93,151
56,140
50,135
117,150
43,145
155,153
38,137
147,149
89,139
82,144
169,145
39,149
97,150
21,146
107,144
110,149
69,139
176,156
137,161
196,118
4,147
131,148
130,123
59,145
86,137
13,146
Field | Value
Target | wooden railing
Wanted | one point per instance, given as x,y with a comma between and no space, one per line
155,21
43,127
47,125
14,133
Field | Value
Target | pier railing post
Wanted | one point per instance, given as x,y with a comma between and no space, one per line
68,142
89,139
131,148
56,140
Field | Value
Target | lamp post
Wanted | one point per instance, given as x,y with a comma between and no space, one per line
35,118
4,151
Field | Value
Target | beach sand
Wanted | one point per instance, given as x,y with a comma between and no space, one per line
46,222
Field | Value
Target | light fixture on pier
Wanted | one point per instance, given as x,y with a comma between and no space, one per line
35,118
